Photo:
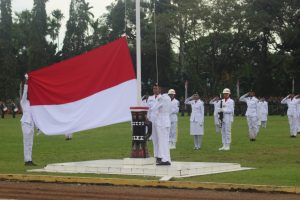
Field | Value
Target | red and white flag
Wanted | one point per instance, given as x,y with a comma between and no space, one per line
90,90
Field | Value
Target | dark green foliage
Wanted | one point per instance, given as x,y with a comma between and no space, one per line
212,44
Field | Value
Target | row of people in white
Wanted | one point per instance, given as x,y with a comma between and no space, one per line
293,113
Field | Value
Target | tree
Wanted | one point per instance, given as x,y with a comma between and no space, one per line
38,50
76,38
8,86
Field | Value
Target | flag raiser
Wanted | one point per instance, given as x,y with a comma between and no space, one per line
91,90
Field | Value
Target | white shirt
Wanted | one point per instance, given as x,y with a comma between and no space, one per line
197,110
151,102
174,110
216,104
292,105
163,109
263,107
251,105
228,110
26,117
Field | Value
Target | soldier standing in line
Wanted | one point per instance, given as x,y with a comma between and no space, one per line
173,118
3,109
298,112
251,114
152,116
14,109
216,102
163,124
291,100
226,114
263,111
196,119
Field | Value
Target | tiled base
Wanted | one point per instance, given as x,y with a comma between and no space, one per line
121,167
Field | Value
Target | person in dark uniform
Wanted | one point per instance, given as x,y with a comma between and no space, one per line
3,109
14,109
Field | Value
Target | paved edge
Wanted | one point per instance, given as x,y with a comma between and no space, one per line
150,183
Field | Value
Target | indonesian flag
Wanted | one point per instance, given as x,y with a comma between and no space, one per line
90,90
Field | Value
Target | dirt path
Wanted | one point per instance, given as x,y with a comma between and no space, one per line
49,191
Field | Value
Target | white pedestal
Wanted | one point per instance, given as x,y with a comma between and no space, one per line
139,161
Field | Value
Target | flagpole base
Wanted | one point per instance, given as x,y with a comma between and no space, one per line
141,131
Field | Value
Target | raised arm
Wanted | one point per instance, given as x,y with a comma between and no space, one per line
243,97
188,100
284,100
24,96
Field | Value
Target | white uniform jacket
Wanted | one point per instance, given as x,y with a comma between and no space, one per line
292,105
197,110
228,110
163,109
26,117
152,113
251,105
216,104
262,110
174,110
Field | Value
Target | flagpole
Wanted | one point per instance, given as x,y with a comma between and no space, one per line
138,51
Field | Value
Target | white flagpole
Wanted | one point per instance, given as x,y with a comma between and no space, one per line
138,51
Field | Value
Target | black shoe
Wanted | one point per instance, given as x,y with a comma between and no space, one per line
293,136
164,163
158,160
30,163
252,140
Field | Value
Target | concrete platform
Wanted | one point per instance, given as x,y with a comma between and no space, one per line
142,168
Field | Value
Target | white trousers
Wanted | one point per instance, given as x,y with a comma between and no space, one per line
264,124
293,125
28,133
226,133
198,141
154,138
298,124
217,123
253,126
163,143
173,134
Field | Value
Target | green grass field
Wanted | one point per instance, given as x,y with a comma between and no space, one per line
275,156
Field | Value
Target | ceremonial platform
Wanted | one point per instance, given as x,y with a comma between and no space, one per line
142,167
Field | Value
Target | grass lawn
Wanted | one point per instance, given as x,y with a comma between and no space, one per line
275,155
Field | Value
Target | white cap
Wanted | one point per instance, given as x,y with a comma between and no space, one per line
171,91
226,91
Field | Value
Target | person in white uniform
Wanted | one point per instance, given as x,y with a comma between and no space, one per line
152,116
27,126
298,112
196,119
263,112
226,113
163,124
292,101
173,118
251,114
216,102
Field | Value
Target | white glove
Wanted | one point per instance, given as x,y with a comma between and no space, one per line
26,76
